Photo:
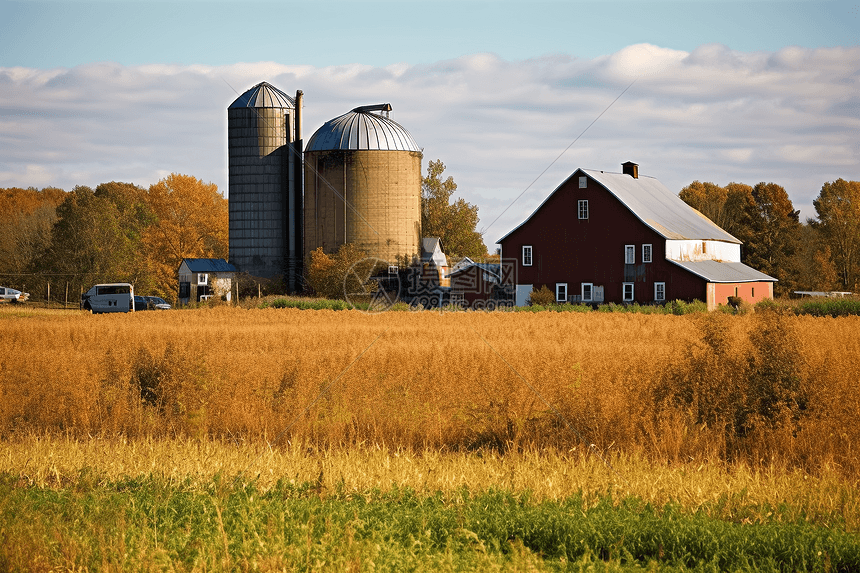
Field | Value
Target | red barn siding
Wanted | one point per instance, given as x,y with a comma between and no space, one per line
471,284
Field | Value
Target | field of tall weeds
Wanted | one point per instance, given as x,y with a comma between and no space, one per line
766,388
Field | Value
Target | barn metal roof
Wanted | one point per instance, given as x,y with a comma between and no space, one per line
493,268
209,266
653,204
659,208
362,129
722,272
264,94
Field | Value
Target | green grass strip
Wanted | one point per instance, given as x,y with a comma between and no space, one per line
149,523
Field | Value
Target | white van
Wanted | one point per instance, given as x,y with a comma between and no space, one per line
112,297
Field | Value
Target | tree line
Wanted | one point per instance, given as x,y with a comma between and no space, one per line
121,232
117,232
820,254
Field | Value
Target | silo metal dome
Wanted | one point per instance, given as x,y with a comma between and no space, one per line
362,129
265,183
363,185
264,94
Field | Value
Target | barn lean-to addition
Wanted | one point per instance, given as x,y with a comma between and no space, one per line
618,237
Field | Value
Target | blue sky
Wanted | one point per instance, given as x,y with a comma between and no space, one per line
718,91
326,32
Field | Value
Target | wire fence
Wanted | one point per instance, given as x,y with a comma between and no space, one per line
48,290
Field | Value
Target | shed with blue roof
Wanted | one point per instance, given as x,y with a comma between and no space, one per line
203,279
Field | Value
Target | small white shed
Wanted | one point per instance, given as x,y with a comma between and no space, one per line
202,279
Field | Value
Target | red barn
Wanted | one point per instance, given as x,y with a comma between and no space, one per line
619,237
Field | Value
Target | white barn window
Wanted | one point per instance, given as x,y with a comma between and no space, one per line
659,291
629,254
628,292
646,253
561,292
527,255
587,292
583,209
583,182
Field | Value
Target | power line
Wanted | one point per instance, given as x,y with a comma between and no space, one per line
559,156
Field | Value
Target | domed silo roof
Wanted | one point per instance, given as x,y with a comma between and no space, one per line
264,94
361,129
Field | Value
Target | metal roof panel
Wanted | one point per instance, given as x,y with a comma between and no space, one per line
722,272
656,206
360,129
264,94
493,268
209,266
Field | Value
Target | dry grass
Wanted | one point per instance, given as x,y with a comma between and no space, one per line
669,389
725,492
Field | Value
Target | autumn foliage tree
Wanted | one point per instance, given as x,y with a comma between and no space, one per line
724,206
340,274
838,221
771,235
27,217
191,220
815,268
134,216
762,217
119,232
454,223
88,241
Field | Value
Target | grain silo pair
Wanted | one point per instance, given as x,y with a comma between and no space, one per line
357,181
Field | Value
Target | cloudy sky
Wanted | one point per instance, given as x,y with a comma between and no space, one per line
512,96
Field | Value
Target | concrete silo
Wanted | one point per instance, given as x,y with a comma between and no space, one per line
264,142
363,185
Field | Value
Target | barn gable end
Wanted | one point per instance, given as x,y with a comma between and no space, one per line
620,237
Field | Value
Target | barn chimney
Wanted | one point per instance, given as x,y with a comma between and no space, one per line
630,169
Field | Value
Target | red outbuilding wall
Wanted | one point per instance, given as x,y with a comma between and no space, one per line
472,285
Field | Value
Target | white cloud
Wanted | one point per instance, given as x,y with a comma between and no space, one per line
791,117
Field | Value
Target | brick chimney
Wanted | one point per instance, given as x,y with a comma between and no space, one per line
631,169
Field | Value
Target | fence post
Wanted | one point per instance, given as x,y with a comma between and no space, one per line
48,300
66,303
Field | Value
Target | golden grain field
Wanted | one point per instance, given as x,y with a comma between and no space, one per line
761,389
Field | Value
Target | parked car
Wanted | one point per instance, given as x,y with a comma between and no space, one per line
12,295
157,303
140,303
